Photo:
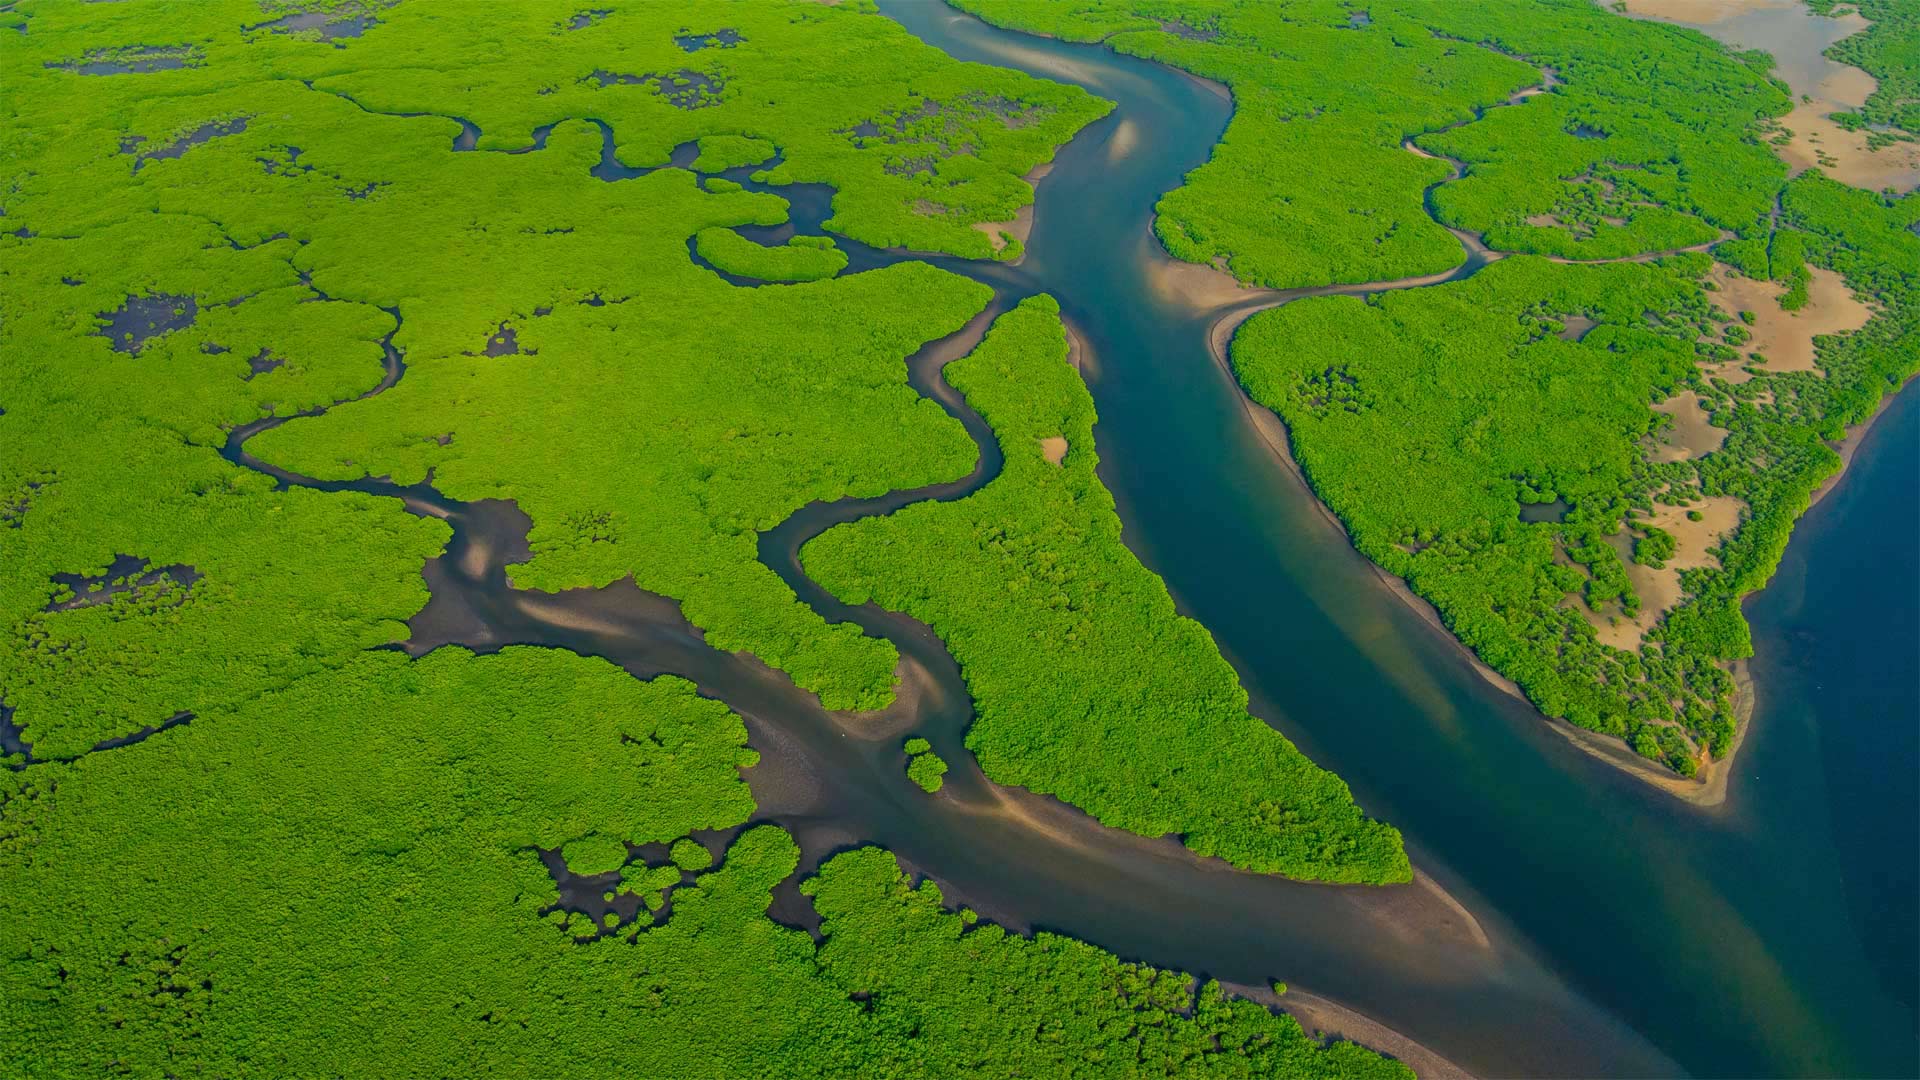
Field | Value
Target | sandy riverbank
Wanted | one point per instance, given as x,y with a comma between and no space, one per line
1328,1019
1708,789
1021,227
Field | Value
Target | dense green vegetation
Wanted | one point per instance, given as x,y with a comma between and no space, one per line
1889,50
290,226
924,767
324,858
1087,684
1427,419
1641,147
802,258
343,878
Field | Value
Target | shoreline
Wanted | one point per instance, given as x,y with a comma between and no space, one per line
1850,445
1329,1021
1707,793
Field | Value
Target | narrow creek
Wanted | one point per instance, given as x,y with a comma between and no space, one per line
1568,920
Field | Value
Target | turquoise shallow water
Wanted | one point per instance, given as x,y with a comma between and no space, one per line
1774,935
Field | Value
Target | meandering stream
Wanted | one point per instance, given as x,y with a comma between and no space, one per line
1569,920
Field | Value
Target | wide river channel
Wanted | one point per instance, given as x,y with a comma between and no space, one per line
1774,934
1570,919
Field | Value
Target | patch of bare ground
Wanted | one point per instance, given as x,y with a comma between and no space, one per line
1819,142
1821,87
1021,227
1054,449
1691,435
1659,588
1785,339
1191,285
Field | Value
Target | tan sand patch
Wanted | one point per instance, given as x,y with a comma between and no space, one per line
1819,142
997,231
1575,327
1699,11
1549,78
1798,39
1021,227
1659,590
1691,435
1054,449
1785,338
1186,284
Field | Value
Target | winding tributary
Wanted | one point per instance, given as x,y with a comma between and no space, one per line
1568,919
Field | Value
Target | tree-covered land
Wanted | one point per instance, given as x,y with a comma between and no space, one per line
310,197
802,258
1494,441
346,878
1086,682
1640,146
924,767
241,837
1430,420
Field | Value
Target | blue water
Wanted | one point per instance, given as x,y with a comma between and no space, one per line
1774,935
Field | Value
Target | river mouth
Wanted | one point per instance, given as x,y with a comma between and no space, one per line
1598,929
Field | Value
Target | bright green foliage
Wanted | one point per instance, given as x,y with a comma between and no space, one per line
803,258
1668,160
110,453
334,867
1426,419
341,879
916,745
666,462
510,69
928,971
1459,403
1311,184
1889,50
719,153
927,769
1088,685
301,214
691,855
594,854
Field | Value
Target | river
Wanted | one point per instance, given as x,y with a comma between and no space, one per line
1570,919
1773,935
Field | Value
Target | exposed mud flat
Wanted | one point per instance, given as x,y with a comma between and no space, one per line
1798,38
1785,338
1691,436
1659,588
1331,1020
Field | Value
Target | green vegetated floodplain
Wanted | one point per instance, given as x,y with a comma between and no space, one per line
1088,684
240,835
1585,455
